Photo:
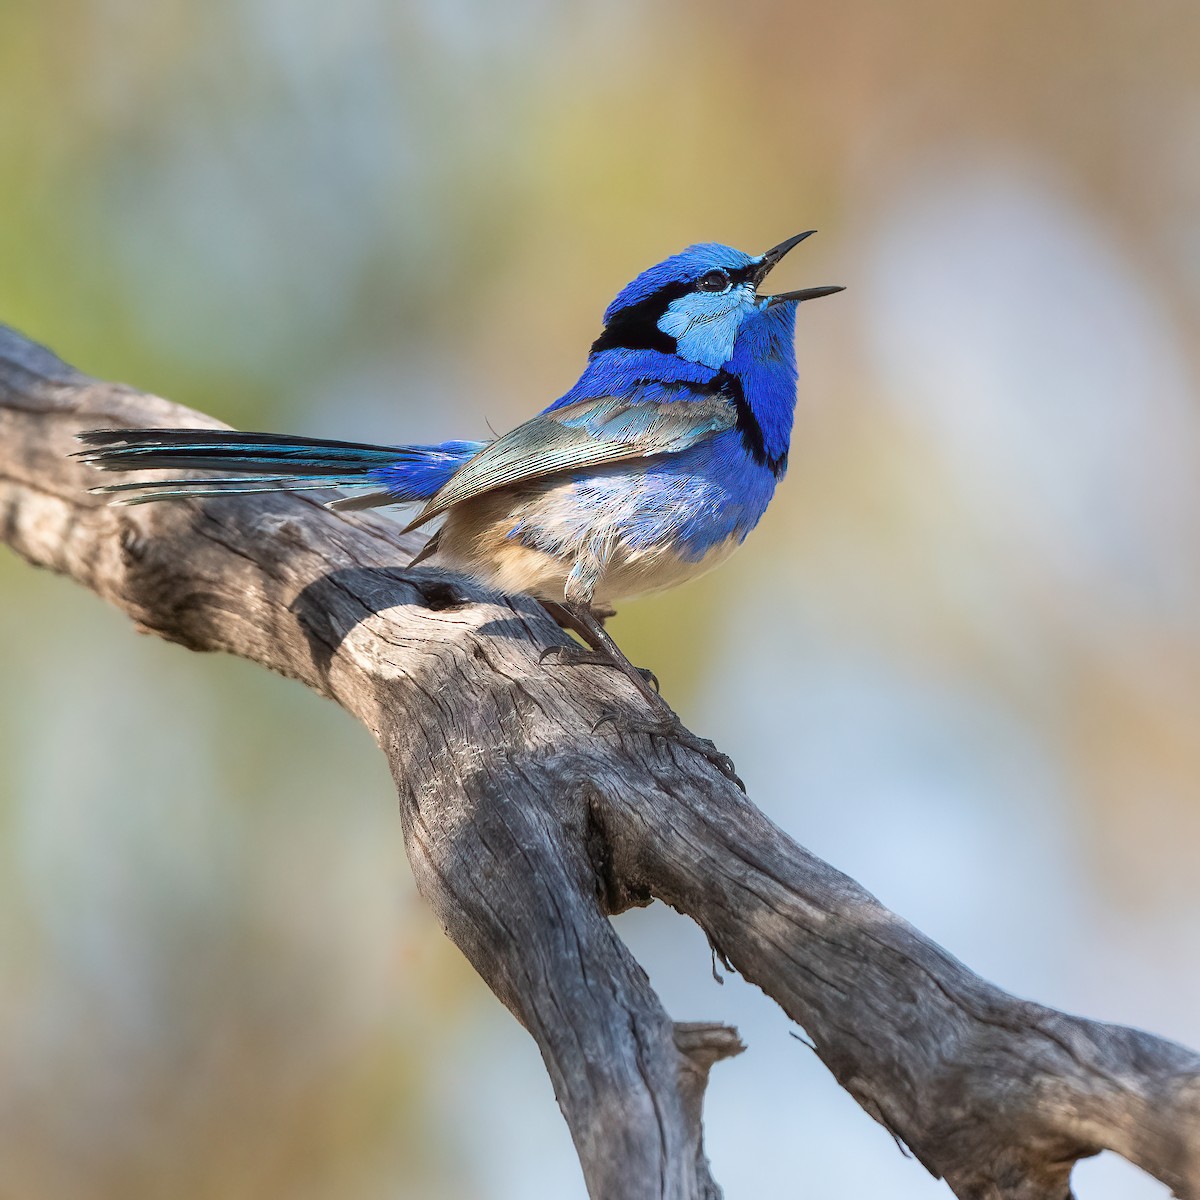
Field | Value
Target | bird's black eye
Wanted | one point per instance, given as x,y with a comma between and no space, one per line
714,281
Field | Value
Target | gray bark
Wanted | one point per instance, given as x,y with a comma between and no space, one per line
526,829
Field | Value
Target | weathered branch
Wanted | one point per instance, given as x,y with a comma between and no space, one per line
525,830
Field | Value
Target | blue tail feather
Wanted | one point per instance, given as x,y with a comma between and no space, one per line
263,462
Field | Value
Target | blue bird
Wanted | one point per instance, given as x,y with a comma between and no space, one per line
649,471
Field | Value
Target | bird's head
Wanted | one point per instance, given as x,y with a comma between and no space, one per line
695,303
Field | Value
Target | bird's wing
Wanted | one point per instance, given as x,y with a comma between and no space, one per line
589,433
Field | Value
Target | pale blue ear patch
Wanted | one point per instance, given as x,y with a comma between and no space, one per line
705,324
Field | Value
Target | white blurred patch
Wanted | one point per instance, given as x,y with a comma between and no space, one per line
1006,319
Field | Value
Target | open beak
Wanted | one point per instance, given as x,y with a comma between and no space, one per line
772,256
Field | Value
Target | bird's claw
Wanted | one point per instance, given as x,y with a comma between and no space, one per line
672,728
707,748
574,655
608,717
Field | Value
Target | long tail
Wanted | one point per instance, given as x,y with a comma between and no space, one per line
266,462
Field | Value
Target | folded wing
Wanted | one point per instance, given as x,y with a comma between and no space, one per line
589,433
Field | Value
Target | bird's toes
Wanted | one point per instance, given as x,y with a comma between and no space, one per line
672,728
610,716
565,652
573,655
703,746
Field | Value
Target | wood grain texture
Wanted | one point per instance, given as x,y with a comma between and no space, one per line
525,830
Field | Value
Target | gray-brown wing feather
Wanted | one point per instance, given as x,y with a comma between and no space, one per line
588,434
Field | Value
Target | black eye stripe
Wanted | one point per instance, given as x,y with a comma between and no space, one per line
740,275
635,327
745,274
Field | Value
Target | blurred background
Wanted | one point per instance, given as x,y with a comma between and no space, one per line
960,658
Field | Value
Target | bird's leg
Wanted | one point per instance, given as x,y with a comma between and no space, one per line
601,613
563,616
601,650
665,722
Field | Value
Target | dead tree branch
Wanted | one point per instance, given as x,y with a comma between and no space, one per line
525,830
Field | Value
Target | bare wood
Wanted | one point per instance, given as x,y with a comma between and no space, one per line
525,829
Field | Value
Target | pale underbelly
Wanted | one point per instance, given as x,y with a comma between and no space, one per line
548,544
510,566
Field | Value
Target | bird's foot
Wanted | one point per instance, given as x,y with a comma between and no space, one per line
565,618
575,655
668,725
661,721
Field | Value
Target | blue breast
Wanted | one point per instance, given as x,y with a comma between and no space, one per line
692,502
